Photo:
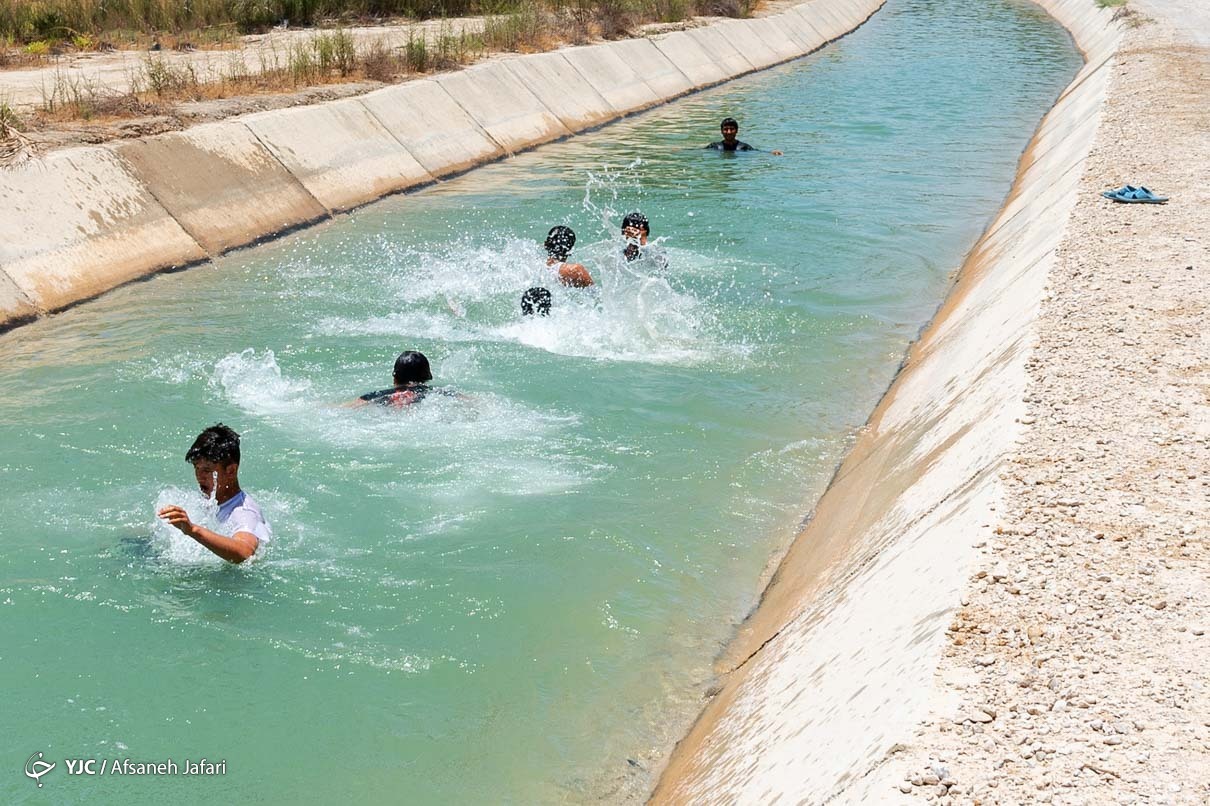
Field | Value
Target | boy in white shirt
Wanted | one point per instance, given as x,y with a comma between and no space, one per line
215,459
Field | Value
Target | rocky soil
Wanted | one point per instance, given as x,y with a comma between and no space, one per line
1078,667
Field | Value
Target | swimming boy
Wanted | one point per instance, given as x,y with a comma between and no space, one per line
411,376
215,459
730,142
636,229
559,242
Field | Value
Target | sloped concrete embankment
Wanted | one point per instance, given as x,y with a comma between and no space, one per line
837,664
85,220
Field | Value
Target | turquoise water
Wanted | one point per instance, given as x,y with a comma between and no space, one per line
516,596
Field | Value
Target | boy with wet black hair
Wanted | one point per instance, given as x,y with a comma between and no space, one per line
215,457
636,229
411,376
559,243
730,142
536,300
730,128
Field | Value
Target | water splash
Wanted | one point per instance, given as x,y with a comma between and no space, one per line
472,293
175,548
255,382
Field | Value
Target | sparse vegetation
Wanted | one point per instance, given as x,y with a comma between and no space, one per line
160,80
1111,3
416,55
100,24
8,118
330,55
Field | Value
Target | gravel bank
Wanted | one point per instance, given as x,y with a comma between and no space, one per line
1077,670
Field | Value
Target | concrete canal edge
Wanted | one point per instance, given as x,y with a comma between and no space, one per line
837,664
82,221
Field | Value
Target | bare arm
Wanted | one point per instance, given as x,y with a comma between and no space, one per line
574,275
237,548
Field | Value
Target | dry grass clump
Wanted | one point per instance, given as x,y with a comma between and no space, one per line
15,147
330,57
71,97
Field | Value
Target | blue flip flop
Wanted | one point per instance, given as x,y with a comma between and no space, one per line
1129,194
1110,194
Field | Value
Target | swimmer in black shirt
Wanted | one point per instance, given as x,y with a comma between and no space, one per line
730,142
410,376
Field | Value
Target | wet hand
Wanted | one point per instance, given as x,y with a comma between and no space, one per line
177,517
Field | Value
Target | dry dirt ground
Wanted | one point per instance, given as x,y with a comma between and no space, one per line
1078,668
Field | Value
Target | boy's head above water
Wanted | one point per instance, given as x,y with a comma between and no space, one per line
536,301
636,225
559,242
215,458
412,367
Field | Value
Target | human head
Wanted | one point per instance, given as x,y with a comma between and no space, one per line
412,367
215,458
559,242
730,128
636,226
536,300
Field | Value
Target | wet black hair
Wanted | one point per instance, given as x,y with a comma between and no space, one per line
559,242
218,444
637,220
412,367
728,122
536,300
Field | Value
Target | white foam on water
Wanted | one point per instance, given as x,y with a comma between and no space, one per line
374,656
177,369
636,313
467,289
635,319
470,272
255,382
467,443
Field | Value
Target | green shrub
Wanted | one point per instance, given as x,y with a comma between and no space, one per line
416,54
